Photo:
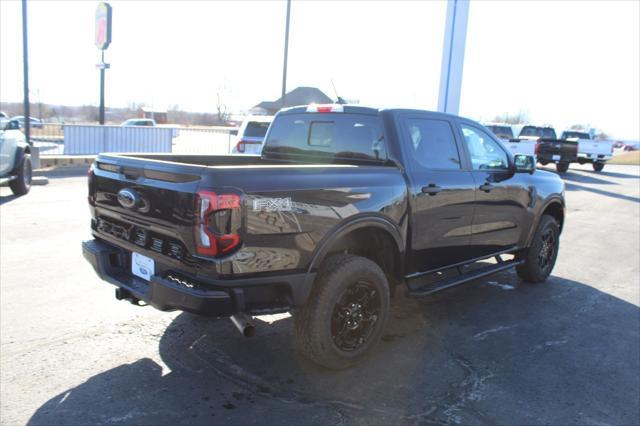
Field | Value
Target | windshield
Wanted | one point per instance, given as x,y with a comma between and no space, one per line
541,132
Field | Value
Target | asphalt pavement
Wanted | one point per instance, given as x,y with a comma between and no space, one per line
495,351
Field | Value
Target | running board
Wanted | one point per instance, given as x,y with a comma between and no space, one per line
427,289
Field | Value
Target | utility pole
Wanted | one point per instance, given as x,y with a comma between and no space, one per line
286,54
25,73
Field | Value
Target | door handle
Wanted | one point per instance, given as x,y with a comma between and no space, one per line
431,189
487,187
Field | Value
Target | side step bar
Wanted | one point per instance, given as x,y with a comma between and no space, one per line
427,289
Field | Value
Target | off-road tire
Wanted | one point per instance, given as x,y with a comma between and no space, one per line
312,323
22,183
531,270
598,166
562,167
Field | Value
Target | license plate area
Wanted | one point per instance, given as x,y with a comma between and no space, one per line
142,266
555,158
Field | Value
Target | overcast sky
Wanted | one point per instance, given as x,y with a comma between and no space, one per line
560,62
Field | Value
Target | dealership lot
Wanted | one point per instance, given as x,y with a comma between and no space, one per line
495,351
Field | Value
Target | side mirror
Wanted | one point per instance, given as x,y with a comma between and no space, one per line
524,163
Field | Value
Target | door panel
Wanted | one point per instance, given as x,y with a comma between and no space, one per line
442,193
501,197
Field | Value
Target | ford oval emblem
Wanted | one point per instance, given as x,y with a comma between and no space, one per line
127,198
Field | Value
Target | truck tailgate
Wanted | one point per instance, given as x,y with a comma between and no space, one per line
589,146
146,204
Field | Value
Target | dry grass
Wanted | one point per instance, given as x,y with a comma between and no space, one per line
632,158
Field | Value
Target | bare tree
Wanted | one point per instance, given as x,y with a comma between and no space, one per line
520,117
222,110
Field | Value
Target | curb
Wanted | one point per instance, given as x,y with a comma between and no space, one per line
66,160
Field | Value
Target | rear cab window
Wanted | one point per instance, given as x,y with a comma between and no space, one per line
256,129
502,132
327,137
541,132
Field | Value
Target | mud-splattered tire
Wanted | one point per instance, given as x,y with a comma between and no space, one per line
541,256
345,314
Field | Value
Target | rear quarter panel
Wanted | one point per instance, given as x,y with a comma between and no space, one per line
288,210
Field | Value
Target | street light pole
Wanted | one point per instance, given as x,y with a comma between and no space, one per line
286,54
102,68
25,73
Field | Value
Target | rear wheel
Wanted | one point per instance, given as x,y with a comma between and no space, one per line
562,167
541,256
345,314
598,166
22,183
544,163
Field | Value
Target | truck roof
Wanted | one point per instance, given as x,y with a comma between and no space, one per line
354,109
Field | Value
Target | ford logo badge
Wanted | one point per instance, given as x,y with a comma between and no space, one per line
127,198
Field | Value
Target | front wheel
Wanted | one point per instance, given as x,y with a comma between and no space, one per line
541,256
22,183
345,314
562,167
598,166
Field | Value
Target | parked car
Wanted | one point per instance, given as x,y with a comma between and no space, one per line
145,122
251,135
596,152
15,158
548,148
34,122
4,119
344,204
618,144
632,147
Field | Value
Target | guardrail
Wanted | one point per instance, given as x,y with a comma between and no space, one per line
80,139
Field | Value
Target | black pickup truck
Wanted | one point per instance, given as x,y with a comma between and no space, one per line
345,204
550,149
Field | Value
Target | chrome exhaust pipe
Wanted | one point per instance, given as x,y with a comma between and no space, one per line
244,324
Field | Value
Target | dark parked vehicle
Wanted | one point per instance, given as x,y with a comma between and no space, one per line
345,204
549,148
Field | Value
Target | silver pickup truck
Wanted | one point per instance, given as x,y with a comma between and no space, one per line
15,158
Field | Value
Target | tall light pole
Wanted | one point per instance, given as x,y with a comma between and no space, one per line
25,73
455,35
286,54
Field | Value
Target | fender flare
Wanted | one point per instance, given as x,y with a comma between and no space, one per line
354,223
556,199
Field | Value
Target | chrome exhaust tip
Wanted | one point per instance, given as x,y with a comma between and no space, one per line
244,324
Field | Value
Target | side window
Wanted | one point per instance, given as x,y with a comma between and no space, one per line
486,154
433,143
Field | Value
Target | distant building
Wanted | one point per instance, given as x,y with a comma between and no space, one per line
159,116
298,96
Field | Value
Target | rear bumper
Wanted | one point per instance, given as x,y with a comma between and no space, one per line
219,298
591,158
556,157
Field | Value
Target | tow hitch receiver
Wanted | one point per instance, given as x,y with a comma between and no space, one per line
124,294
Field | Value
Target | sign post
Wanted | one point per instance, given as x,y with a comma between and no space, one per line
102,41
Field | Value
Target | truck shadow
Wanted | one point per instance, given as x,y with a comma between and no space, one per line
496,351
575,187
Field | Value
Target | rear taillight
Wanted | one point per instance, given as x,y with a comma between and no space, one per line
217,224
535,148
240,146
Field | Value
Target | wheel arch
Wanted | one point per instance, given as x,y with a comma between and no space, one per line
555,208
373,237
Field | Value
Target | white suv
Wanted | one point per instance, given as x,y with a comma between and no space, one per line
251,135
